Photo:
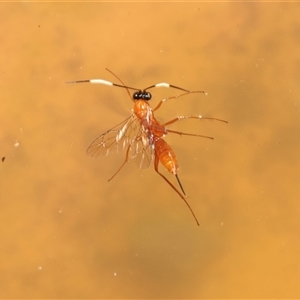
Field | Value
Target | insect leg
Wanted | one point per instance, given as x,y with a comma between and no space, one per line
174,97
125,161
190,134
156,161
120,81
192,117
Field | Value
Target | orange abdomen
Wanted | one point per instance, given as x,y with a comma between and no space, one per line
166,155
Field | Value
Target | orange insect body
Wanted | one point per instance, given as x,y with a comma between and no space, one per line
166,155
144,112
142,135
142,109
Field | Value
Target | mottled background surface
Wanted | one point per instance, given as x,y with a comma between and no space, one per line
66,232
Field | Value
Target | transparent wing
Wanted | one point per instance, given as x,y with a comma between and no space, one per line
129,133
114,140
141,150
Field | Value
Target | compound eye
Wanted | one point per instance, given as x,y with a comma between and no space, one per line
147,96
138,95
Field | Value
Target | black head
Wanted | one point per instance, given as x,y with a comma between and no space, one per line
141,95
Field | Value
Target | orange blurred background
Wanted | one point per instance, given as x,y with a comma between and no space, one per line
65,232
